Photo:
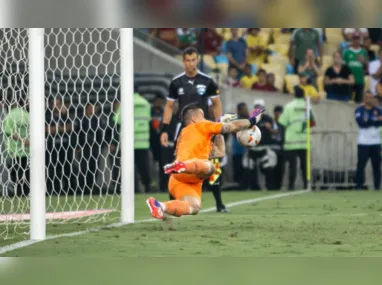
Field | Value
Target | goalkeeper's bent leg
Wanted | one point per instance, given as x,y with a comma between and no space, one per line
188,206
201,168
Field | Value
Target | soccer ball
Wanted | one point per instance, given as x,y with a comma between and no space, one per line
250,137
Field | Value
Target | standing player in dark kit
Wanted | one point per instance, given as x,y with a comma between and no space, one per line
192,87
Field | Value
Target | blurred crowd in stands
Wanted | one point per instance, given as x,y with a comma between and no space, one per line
332,63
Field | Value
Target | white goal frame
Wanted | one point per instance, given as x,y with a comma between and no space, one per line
36,53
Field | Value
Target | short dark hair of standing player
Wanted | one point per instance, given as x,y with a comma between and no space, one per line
190,51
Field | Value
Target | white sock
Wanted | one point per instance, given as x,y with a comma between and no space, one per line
163,206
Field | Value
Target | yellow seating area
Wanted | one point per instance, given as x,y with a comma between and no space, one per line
281,49
279,43
275,68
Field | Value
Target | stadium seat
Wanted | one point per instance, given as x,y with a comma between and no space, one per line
267,30
367,82
291,80
265,36
283,39
334,35
278,59
320,83
276,32
279,82
327,60
330,48
223,68
209,61
224,32
334,39
333,31
275,68
375,48
281,49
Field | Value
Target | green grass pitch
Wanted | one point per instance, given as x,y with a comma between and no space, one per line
310,224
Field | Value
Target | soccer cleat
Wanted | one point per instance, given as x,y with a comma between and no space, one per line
155,208
222,209
175,167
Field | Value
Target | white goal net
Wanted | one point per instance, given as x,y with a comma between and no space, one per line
82,129
14,154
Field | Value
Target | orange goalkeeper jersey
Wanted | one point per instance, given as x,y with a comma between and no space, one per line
195,140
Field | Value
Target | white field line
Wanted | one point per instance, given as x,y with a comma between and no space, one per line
26,243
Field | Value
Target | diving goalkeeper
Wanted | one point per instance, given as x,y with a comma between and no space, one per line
192,165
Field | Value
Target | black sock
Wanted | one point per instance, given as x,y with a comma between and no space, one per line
216,191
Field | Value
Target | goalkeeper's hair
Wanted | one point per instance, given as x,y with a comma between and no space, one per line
188,111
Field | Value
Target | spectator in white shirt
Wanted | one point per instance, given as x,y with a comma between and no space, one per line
375,72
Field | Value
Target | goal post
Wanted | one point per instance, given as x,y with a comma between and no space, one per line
37,133
79,169
127,125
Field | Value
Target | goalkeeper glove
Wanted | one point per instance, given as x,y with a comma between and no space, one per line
256,116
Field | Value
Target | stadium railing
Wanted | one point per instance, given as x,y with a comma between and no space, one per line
334,160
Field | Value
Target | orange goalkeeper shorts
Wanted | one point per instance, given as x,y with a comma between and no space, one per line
181,185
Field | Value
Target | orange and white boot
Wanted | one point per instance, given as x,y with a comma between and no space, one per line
155,208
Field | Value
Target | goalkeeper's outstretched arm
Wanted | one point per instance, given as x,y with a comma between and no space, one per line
236,126
239,125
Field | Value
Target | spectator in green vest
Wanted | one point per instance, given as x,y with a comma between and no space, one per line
357,59
294,120
142,118
16,138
